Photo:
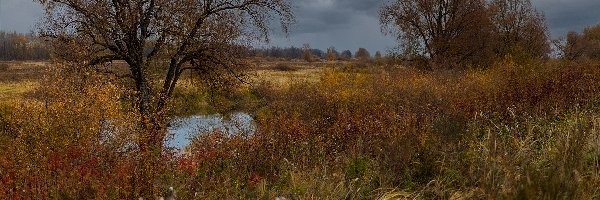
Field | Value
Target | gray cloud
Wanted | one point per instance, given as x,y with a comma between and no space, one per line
19,15
563,16
345,24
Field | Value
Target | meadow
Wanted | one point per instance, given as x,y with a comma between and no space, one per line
520,129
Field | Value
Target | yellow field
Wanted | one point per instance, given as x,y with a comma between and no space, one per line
20,79
284,78
10,91
300,71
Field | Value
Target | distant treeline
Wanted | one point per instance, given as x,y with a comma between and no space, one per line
20,46
288,52
308,53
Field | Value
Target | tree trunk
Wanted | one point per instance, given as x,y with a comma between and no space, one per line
150,137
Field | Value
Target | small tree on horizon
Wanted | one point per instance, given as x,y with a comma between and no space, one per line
332,54
362,54
346,54
308,54
378,55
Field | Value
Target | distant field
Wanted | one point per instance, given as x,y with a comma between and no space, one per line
21,78
282,73
22,71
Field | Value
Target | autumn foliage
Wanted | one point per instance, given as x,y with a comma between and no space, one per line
484,114
407,128
473,133
70,140
465,33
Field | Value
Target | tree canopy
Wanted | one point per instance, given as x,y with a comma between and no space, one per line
465,32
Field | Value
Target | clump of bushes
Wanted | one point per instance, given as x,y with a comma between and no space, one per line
4,67
283,67
73,142
516,130
471,134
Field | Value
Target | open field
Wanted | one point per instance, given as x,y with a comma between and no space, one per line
20,79
22,71
285,78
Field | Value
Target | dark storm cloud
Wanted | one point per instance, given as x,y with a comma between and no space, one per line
569,15
350,24
323,15
345,24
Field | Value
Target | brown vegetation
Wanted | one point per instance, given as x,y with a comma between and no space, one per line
362,54
463,33
586,45
20,71
355,133
477,134
490,117
159,40
19,46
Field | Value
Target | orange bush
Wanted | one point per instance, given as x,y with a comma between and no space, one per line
73,141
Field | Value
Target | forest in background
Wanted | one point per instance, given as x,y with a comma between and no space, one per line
21,46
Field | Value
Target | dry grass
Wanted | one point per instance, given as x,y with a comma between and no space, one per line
515,131
16,91
20,79
283,79
480,134
22,71
303,72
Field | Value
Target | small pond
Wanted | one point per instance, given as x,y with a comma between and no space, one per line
186,128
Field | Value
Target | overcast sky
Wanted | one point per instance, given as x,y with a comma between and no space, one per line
345,24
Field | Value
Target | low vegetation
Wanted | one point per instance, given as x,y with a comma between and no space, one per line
473,107
514,131
4,67
521,129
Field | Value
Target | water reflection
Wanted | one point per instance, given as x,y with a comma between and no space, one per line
184,129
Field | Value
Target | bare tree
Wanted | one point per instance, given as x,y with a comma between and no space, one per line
519,25
586,45
308,55
174,35
346,54
447,31
378,55
362,54
332,54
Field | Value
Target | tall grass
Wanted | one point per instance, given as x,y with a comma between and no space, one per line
521,129
506,132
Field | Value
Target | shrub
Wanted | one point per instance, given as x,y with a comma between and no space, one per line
283,67
517,130
72,144
4,67
423,129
